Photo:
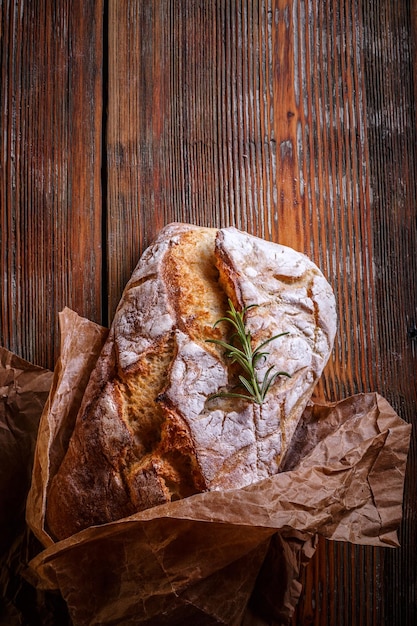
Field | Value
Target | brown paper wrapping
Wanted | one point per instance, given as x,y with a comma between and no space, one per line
219,557
24,389
80,344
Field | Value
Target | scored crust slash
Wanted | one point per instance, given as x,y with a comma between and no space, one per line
149,429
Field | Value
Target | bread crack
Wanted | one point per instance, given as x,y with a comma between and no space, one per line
142,384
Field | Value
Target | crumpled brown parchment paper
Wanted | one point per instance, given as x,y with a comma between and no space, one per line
219,557
24,388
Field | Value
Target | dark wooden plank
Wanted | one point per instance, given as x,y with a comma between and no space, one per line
392,140
327,133
162,125
50,175
294,120
384,291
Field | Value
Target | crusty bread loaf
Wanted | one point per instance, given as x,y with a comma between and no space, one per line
147,431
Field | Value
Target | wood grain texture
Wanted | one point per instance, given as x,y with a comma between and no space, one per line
292,119
50,178
392,141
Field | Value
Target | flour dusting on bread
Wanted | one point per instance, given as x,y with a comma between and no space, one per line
147,431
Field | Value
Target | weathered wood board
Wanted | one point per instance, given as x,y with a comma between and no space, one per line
292,119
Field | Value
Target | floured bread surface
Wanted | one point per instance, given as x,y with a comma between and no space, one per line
148,431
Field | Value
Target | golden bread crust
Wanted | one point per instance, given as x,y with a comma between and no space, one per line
147,431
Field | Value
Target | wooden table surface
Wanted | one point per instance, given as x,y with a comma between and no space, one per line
294,120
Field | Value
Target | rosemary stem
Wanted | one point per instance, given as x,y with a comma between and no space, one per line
246,356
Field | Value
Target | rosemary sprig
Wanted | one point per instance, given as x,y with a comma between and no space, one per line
240,351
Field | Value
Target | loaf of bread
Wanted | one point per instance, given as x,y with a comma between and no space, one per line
148,431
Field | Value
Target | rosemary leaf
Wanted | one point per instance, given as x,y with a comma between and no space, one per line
240,351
